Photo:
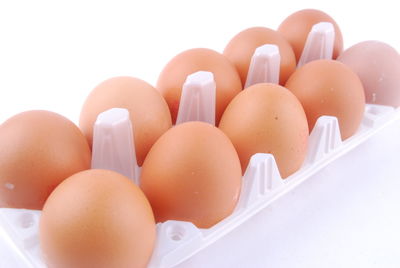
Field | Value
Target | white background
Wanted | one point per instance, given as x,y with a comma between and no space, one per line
52,53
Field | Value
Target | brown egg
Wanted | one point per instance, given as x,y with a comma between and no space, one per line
97,218
148,110
242,47
297,26
267,118
174,74
328,87
378,66
38,150
192,173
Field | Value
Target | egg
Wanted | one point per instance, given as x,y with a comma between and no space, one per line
267,118
378,66
97,218
328,87
297,26
38,150
148,110
192,173
241,48
174,74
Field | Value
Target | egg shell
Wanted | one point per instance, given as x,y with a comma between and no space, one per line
174,74
328,87
242,46
192,173
38,150
297,26
267,118
378,66
148,110
97,218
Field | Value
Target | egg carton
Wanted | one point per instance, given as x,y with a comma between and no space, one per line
177,241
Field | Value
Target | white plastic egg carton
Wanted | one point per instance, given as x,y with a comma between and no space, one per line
177,241
262,184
